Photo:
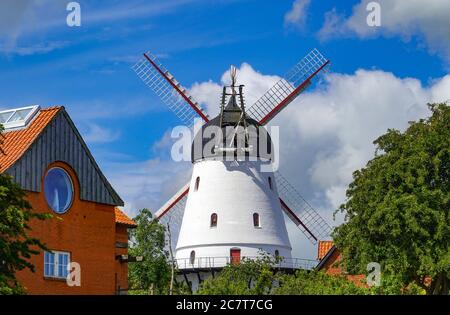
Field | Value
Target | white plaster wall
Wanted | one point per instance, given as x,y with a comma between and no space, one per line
234,192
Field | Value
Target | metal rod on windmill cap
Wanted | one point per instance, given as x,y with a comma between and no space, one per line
233,74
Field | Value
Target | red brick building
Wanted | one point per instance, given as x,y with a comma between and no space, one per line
44,153
330,259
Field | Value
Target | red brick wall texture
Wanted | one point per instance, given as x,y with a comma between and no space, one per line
88,231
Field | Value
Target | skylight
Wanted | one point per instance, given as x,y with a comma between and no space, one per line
17,117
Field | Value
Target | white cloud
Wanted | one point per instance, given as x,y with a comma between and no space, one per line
18,17
94,109
334,127
209,93
39,48
428,21
98,134
22,20
298,13
108,12
147,184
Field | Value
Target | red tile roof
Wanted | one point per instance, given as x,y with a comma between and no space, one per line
323,248
16,142
122,218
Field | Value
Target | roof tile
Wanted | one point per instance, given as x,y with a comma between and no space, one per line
323,248
122,218
16,142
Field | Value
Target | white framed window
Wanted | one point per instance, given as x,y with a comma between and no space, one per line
55,264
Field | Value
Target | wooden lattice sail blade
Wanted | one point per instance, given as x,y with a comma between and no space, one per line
171,213
300,211
288,88
163,83
172,203
294,218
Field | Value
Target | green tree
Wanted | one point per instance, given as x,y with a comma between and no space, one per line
305,282
249,277
397,208
152,275
258,277
16,246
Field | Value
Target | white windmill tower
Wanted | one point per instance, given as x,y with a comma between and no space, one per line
231,208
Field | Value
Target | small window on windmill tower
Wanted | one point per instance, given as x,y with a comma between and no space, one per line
270,183
277,253
213,222
256,222
192,257
197,183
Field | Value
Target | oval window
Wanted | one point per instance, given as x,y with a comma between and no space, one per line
58,190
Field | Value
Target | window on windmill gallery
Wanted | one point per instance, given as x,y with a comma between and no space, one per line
213,222
256,222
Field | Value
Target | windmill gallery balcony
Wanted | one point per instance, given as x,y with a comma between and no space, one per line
216,263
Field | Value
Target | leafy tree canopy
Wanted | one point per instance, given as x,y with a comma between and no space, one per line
397,208
249,277
257,277
16,246
318,283
148,240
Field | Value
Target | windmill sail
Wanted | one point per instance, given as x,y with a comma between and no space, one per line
301,212
171,213
288,88
163,83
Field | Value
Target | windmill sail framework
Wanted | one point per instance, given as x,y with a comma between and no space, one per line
246,193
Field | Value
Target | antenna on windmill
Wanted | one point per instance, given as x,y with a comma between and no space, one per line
233,78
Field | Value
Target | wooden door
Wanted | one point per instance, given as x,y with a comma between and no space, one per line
235,254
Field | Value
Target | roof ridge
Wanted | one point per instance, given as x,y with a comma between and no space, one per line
51,107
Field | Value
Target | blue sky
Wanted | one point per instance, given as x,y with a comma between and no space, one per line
88,70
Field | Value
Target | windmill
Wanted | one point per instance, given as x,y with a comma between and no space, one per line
230,209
